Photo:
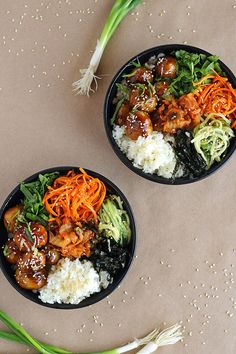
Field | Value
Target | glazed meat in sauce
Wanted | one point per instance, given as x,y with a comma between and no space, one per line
27,252
166,67
147,108
138,124
32,249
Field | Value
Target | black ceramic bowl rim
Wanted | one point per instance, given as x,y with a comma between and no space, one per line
6,267
109,108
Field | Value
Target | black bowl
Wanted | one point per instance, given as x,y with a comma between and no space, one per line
15,197
109,109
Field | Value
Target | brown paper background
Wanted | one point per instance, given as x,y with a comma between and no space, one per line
186,246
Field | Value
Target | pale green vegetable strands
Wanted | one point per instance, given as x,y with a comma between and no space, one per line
150,343
119,10
211,137
114,221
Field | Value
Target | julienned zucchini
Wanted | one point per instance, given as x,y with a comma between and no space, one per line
114,220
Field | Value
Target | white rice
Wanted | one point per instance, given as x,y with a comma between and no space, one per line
153,154
70,282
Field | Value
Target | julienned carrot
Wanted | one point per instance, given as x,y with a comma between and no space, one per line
218,96
76,197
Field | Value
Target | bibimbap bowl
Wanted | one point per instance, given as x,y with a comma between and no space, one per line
170,114
67,237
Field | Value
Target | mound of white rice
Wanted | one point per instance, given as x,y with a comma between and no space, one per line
70,282
153,154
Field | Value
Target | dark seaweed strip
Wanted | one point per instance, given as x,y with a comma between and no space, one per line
187,154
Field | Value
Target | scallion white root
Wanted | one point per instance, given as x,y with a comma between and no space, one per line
138,342
119,10
168,336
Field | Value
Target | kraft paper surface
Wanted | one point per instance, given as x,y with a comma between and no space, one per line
186,242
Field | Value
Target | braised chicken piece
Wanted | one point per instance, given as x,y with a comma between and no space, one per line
156,121
25,237
11,252
161,87
21,239
32,261
52,255
166,67
141,75
31,272
122,114
10,217
138,124
39,234
143,99
189,104
31,280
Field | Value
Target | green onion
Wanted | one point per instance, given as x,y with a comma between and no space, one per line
136,63
119,104
124,90
141,87
153,340
119,10
6,251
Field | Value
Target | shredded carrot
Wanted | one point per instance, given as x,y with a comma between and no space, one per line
74,197
218,96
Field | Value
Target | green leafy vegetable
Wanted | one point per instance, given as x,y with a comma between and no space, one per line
118,105
6,251
151,88
119,10
124,93
156,338
33,208
28,233
191,67
141,87
124,90
212,136
136,63
114,220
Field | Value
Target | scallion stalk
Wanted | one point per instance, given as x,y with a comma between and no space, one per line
149,343
14,338
119,10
